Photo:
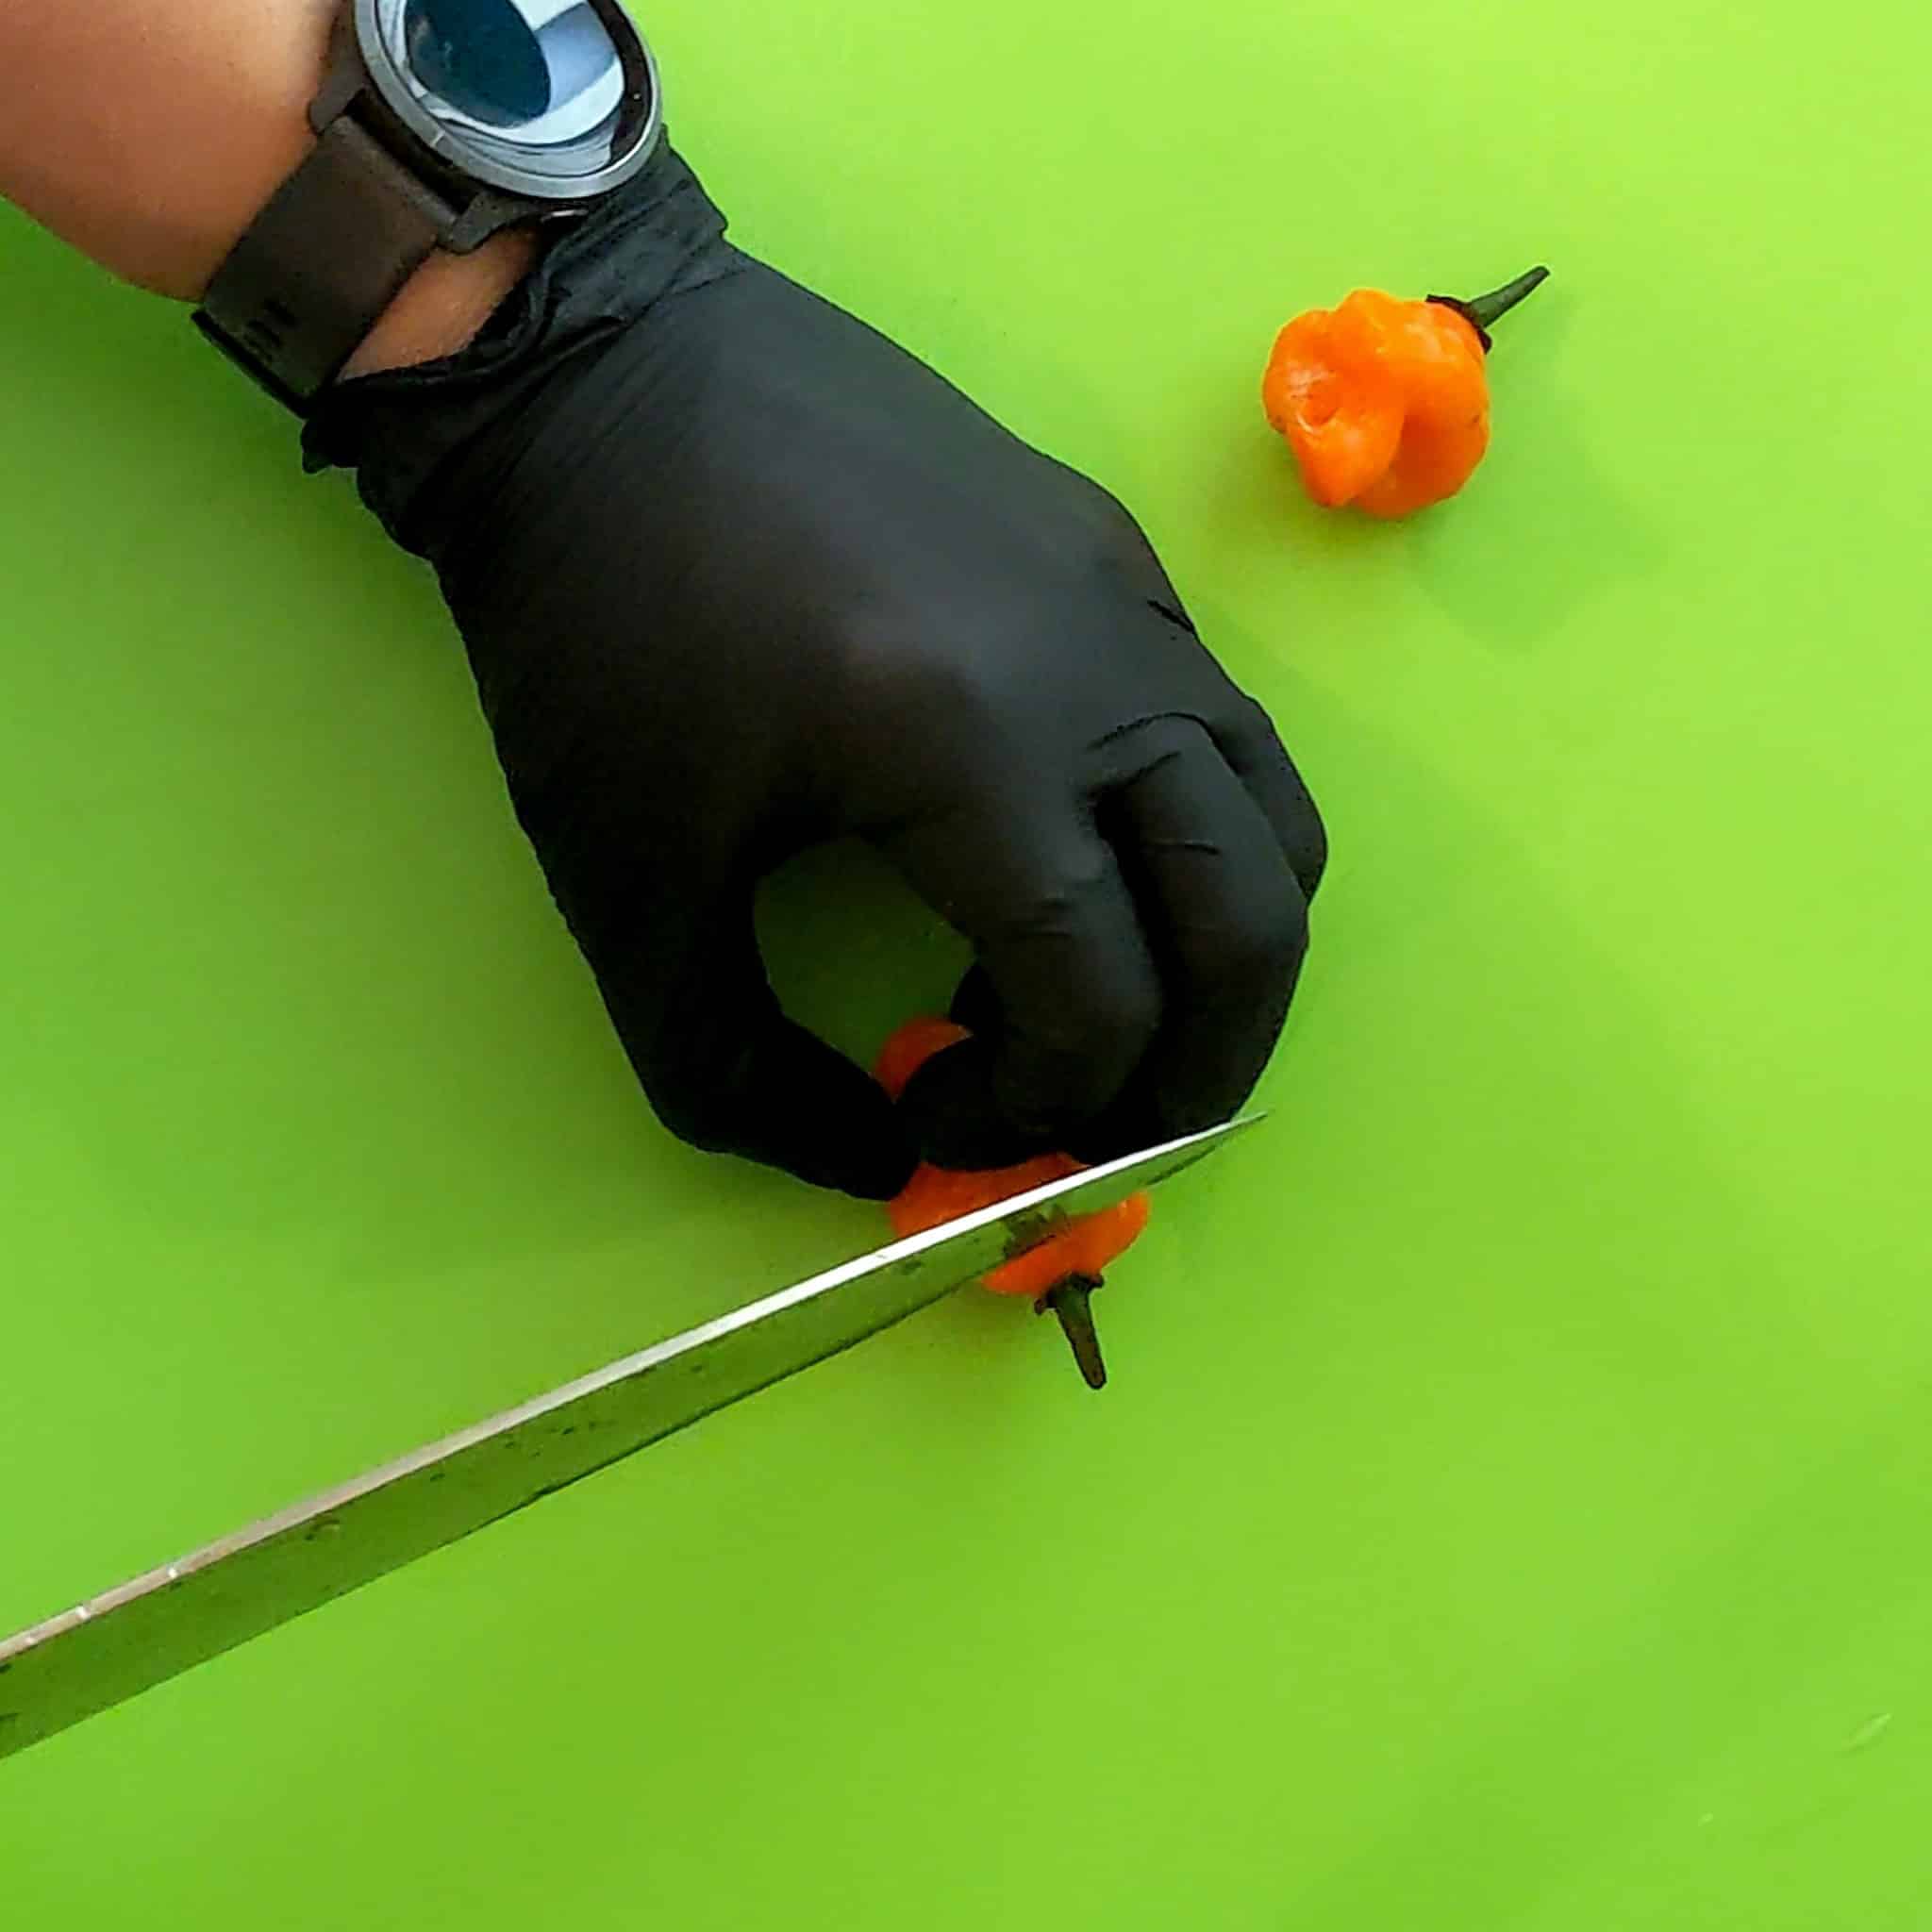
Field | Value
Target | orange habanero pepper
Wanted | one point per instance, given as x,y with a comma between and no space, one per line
1059,1273
1386,403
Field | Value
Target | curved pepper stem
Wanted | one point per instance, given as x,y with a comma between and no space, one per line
1485,310
1071,1299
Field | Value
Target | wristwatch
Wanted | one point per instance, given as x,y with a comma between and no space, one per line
440,122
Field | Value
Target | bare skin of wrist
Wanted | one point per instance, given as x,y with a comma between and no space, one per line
150,133
447,300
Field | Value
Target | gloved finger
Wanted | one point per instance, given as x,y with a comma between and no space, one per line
1042,901
1246,739
1228,921
976,1004
727,1072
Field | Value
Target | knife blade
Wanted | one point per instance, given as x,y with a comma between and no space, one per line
169,1620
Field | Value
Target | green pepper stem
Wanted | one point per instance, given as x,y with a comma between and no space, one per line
1070,1298
1484,309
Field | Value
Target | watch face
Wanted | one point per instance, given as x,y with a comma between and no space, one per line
549,98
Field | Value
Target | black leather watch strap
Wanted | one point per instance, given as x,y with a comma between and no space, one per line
321,264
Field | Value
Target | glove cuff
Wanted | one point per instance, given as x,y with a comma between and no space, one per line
657,235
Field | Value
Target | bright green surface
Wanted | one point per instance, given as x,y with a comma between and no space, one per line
1510,1510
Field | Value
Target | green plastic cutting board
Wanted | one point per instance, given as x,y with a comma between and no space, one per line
1510,1511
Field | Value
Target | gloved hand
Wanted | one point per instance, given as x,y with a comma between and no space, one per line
738,575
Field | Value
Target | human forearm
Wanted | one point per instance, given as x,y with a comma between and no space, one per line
149,133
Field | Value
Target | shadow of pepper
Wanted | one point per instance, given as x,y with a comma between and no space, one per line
1539,533
1482,557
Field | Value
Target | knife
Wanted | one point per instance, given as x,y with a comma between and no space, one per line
156,1625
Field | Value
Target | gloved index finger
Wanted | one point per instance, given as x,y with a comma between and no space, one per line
1228,923
1041,898
725,1067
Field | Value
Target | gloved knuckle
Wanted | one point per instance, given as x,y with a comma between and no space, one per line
1249,720
697,1113
1060,900
1264,944
1119,526
1308,848
1304,836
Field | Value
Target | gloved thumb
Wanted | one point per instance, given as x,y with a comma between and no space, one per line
726,1071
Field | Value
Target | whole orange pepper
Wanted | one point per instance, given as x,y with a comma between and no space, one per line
1059,1273
1386,403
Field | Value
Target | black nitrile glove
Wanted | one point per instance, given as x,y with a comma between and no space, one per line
738,575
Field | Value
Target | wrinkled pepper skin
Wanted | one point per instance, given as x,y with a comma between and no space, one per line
1385,402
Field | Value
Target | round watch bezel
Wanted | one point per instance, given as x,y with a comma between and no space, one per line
449,147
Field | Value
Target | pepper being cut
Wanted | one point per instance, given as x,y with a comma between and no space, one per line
1060,1272
1386,403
